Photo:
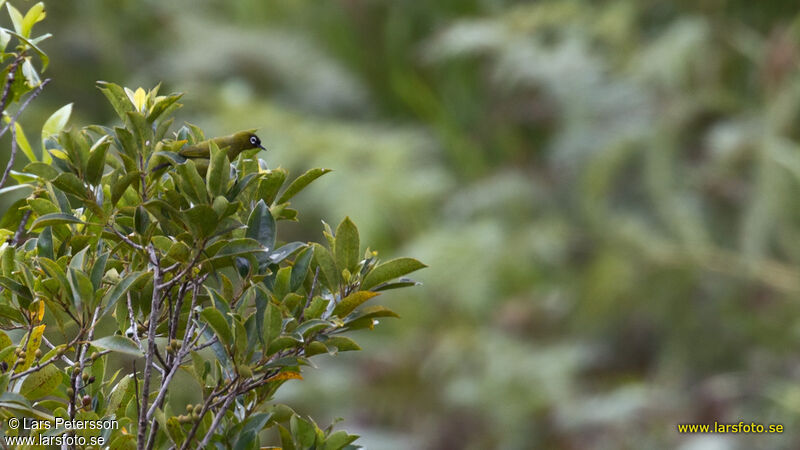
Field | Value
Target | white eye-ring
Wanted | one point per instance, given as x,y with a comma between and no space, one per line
253,140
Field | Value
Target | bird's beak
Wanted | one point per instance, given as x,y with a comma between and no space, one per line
262,147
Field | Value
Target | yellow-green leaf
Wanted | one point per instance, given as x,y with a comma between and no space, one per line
351,302
325,262
30,350
390,270
217,322
346,246
41,383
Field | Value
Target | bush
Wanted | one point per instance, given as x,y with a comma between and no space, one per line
117,261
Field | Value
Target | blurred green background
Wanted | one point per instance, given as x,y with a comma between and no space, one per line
606,193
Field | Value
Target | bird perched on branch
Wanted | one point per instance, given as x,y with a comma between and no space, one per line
200,152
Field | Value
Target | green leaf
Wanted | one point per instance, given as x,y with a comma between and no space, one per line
21,409
78,259
41,383
269,184
33,344
312,326
141,220
97,161
300,183
70,184
282,343
239,340
56,122
12,188
287,443
32,78
128,147
81,286
273,323
52,269
42,170
399,283
191,183
316,308
284,251
246,441
300,269
13,215
342,344
162,106
119,344
23,144
54,219
6,349
76,147
30,43
119,187
365,318
34,15
219,170
325,262
202,220
217,322
287,361
303,431
346,246
4,379
352,301
256,423
16,288
44,244
141,129
121,288
117,97
175,431
261,226
98,269
390,270
241,246
315,348
16,17
122,392
339,440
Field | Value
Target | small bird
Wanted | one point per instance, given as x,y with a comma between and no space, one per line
233,145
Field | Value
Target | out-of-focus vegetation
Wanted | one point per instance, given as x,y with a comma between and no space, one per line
605,193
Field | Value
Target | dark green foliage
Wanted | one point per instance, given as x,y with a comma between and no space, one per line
176,270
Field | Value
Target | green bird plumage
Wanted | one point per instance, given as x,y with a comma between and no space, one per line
233,144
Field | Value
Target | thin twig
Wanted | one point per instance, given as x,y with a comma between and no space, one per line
21,228
10,124
24,105
136,391
10,158
125,239
173,323
12,73
169,284
203,411
46,363
218,418
81,362
176,362
151,349
209,343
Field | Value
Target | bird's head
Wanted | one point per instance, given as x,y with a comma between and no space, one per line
250,139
